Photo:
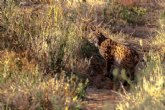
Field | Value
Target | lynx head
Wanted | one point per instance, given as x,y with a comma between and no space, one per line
94,35
93,32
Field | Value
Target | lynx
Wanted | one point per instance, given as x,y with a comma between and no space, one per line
115,54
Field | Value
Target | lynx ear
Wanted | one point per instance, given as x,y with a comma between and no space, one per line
93,28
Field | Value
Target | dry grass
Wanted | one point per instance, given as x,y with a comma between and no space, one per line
37,41
49,40
149,92
23,87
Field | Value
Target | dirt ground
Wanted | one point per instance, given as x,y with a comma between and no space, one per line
101,99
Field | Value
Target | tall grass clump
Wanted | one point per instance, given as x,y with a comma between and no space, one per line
47,33
149,93
23,87
35,41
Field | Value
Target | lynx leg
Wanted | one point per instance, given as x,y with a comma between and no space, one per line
108,69
132,74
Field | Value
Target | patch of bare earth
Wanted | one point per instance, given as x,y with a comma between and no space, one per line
99,99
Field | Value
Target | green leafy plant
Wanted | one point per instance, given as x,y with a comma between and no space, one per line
133,15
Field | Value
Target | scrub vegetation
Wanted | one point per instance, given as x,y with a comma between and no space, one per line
46,60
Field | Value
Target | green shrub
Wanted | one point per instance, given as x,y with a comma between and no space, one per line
133,15
88,49
118,15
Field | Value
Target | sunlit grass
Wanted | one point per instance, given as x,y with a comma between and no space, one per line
49,40
37,41
149,93
24,89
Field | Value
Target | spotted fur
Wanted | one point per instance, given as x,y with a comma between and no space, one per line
115,54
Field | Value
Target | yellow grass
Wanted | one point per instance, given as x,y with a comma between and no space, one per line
44,56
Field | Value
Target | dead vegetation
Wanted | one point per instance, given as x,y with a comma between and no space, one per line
41,39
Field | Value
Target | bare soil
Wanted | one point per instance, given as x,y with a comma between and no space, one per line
101,99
